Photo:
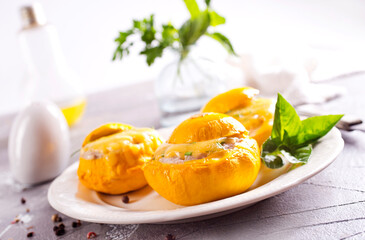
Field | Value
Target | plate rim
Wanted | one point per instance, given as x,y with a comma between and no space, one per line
226,204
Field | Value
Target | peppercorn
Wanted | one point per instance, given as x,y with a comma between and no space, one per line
76,224
55,228
61,226
23,201
125,199
56,218
30,234
60,232
170,237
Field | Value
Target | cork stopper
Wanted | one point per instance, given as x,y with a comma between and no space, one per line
32,16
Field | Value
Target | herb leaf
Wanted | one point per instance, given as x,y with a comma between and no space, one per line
269,154
188,153
193,29
315,127
291,138
156,41
169,34
273,161
152,54
122,50
286,120
193,8
297,155
223,40
148,30
216,19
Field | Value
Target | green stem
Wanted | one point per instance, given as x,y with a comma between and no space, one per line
74,153
184,52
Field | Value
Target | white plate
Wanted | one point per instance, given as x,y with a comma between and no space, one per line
71,198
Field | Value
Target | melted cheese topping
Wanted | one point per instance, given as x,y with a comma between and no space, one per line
255,115
138,140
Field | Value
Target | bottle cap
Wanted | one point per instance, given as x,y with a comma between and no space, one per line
33,16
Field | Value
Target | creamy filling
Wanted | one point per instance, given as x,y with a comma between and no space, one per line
91,154
226,143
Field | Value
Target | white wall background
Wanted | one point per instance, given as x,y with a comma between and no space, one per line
87,29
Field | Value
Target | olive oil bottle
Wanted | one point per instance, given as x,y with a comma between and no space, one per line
48,74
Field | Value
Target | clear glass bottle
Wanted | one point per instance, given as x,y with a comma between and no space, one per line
184,86
48,74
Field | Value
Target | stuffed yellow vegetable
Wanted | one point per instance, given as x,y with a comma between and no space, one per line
208,157
256,114
112,157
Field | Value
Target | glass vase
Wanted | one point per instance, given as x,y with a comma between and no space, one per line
184,86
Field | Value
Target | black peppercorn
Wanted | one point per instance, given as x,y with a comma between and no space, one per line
170,237
61,226
125,199
60,232
30,234
23,201
76,224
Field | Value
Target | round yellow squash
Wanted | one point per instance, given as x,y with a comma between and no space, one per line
112,157
208,157
256,114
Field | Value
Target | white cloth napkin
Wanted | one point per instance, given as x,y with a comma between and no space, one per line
295,71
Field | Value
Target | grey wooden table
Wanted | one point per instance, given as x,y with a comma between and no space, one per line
331,205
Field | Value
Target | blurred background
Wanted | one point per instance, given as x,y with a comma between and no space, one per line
87,30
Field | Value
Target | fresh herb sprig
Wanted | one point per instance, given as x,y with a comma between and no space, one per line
292,138
179,39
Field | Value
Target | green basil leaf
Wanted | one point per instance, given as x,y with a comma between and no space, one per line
216,19
222,40
193,8
273,161
314,128
269,154
286,120
291,137
297,155
269,146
